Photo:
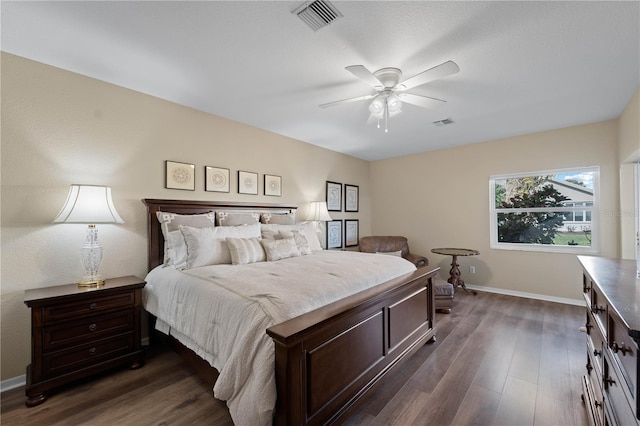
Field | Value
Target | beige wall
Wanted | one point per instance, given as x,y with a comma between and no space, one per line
441,199
60,128
629,152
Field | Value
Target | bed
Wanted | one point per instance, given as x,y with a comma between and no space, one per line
325,359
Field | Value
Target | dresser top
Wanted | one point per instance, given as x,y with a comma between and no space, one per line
617,278
68,290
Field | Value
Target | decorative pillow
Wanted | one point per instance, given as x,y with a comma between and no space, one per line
301,243
245,250
278,219
280,249
391,253
285,231
208,246
234,219
170,222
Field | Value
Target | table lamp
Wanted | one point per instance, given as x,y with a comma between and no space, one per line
89,204
315,211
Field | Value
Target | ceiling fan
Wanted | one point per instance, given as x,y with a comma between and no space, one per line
390,91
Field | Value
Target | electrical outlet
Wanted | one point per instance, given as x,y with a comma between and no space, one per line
472,269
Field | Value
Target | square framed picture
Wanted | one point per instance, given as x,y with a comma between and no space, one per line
272,185
180,176
216,179
247,183
351,232
351,197
334,234
334,196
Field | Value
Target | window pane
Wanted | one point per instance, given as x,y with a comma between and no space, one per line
551,210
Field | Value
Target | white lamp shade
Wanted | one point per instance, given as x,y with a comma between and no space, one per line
88,204
313,211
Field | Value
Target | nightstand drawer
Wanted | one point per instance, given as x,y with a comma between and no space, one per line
89,306
60,362
97,327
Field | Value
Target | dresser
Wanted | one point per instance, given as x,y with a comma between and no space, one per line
77,332
610,386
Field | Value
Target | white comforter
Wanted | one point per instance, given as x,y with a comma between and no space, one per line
221,312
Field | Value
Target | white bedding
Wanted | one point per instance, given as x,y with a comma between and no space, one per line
221,312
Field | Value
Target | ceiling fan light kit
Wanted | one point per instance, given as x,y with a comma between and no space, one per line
389,96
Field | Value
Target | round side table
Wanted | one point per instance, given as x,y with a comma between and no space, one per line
454,273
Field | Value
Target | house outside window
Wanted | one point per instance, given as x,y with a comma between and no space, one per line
552,210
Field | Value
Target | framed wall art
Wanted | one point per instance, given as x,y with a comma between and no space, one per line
351,197
180,176
272,185
351,232
216,179
334,234
334,196
247,183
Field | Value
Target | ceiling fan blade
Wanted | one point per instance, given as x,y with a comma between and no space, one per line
419,100
439,71
344,101
365,75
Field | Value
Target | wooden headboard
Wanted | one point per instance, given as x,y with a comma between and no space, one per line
155,243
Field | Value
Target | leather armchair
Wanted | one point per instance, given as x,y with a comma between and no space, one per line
384,244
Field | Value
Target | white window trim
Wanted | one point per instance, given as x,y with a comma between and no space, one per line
595,214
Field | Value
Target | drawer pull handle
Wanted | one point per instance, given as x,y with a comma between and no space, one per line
608,381
92,327
620,348
597,352
587,288
93,305
597,309
598,404
92,351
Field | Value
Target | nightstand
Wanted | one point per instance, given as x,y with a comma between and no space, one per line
79,331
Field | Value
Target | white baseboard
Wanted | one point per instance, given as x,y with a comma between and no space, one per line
564,300
13,383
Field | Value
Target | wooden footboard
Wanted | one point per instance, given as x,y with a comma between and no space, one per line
327,359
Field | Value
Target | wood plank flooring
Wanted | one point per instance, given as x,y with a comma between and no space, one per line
497,360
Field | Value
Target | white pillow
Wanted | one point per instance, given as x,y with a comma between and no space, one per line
174,244
280,249
234,219
208,246
175,249
306,229
245,250
301,243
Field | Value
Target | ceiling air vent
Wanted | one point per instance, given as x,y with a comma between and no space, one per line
444,122
317,14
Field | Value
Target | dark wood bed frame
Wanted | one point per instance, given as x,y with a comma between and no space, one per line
327,359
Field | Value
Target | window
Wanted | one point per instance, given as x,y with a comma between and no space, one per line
553,210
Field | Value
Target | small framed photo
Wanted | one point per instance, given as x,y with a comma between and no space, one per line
216,179
247,183
334,196
351,197
180,176
351,232
272,185
334,234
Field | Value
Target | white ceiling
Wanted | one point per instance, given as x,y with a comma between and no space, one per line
524,66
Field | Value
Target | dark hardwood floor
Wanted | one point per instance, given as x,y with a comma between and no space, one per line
498,360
